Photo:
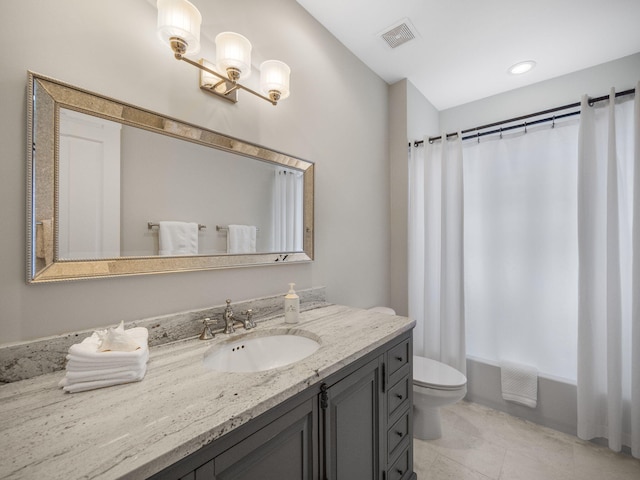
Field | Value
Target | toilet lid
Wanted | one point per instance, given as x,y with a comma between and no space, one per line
433,374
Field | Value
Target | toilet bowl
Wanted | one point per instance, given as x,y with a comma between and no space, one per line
434,385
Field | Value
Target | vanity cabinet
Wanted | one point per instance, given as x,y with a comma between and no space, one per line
284,449
355,424
399,411
266,448
351,425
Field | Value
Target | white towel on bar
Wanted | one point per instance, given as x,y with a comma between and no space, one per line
44,240
519,383
241,239
178,238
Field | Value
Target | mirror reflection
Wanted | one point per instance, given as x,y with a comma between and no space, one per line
114,189
115,180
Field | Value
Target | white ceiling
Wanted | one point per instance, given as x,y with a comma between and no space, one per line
463,48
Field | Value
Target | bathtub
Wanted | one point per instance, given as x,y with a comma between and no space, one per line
557,397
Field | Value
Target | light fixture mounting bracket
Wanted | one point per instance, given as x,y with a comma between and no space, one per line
224,89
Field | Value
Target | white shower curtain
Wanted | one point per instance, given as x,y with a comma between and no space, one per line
287,211
521,260
436,273
609,273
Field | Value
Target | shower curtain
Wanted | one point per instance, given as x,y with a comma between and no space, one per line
550,257
287,211
521,261
436,272
609,273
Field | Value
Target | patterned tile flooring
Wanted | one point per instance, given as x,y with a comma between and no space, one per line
479,443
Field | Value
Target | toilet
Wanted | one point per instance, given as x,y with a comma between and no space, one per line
435,385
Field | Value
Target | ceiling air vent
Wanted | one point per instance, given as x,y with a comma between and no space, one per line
398,34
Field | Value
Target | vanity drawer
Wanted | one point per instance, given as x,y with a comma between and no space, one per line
400,469
396,434
398,357
398,396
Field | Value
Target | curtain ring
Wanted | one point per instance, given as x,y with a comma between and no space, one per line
478,136
553,125
500,133
525,127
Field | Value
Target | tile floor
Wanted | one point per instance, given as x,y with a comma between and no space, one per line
479,443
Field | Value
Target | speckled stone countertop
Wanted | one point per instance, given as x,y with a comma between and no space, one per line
136,430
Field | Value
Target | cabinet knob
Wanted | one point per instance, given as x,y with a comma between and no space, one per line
399,471
400,434
399,396
399,358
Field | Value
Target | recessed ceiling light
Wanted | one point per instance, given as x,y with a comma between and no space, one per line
521,67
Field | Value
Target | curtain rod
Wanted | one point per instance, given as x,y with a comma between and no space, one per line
479,134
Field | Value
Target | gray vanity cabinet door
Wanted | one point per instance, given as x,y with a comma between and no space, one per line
283,450
352,425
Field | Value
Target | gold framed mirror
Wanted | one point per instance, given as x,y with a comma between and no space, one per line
103,175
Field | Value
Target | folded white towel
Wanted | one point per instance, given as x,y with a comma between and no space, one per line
74,387
178,238
519,383
88,367
88,348
80,364
241,239
93,375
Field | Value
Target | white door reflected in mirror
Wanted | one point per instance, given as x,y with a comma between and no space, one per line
89,187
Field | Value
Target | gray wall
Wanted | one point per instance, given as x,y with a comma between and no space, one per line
596,81
337,117
410,117
164,178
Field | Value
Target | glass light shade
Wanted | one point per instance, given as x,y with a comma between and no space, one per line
179,18
274,75
233,51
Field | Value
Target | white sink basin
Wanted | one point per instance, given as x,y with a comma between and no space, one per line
259,352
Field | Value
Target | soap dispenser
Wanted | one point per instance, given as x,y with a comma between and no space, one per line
291,306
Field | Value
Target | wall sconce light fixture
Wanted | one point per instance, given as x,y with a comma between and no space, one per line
179,27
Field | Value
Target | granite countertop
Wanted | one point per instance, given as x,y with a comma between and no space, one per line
137,429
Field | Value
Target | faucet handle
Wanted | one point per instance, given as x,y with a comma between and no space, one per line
206,334
249,314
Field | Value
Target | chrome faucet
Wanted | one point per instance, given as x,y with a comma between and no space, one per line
229,319
227,316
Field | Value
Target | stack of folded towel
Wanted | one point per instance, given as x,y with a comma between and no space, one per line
108,357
